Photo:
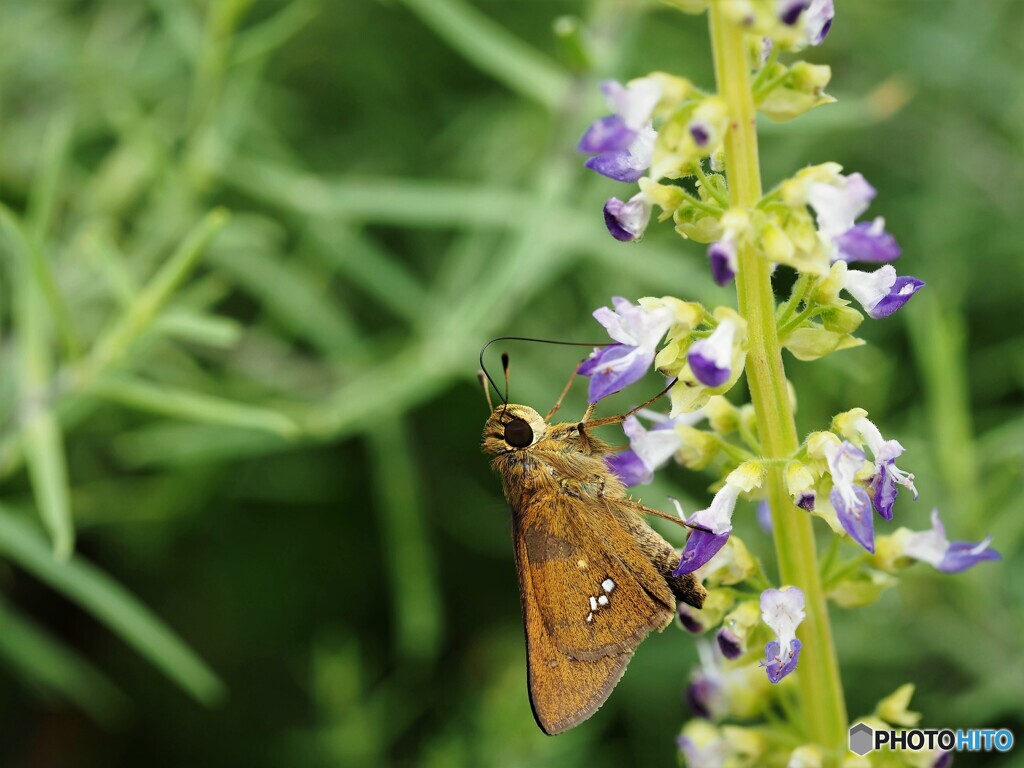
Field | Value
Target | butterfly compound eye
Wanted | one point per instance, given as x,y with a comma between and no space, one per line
518,433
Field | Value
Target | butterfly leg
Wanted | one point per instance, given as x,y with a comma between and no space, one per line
619,419
561,397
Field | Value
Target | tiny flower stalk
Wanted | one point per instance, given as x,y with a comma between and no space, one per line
822,703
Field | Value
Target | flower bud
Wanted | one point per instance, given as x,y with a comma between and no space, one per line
841,320
893,709
723,416
862,587
737,628
699,448
815,342
801,89
800,484
666,196
695,224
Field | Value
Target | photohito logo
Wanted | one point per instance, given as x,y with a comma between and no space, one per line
864,739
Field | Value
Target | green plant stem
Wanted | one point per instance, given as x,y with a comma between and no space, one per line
821,693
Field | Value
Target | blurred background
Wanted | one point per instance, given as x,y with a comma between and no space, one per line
259,429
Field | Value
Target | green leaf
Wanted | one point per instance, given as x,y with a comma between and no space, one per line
111,604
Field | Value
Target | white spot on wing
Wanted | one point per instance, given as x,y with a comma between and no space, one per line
593,603
602,600
608,585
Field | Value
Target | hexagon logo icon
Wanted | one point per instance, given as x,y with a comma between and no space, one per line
861,739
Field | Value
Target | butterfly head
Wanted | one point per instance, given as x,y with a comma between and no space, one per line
513,428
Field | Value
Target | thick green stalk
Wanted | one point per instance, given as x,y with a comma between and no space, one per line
822,704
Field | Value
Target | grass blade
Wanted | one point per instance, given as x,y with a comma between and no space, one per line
48,663
112,345
492,49
191,406
112,604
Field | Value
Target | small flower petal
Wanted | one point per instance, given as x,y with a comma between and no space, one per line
606,134
711,358
838,204
881,292
700,547
701,695
934,548
899,294
818,20
689,618
626,221
628,164
789,10
777,664
851,502
629,468
614,368
729,644
867,241
782,610
722,256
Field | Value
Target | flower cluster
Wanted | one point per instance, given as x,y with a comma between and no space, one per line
668,137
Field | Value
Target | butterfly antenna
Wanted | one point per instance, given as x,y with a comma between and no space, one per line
483,349
482,377
504,367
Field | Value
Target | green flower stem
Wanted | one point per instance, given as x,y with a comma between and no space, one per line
821,692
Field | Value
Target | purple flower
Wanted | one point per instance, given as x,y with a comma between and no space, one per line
729,644
711,358
716,519
884,484
934,548
782,610
650,449
701,132
837,204
867,241
637,332
778,664
689,618
700,547
851,502
622,143
944,760
789,10
722,255
818,20
627,221
881,292
701,695
764,516
629,468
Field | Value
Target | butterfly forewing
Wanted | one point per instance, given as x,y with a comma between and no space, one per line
584,610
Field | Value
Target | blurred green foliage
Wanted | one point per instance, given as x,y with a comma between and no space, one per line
248,252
